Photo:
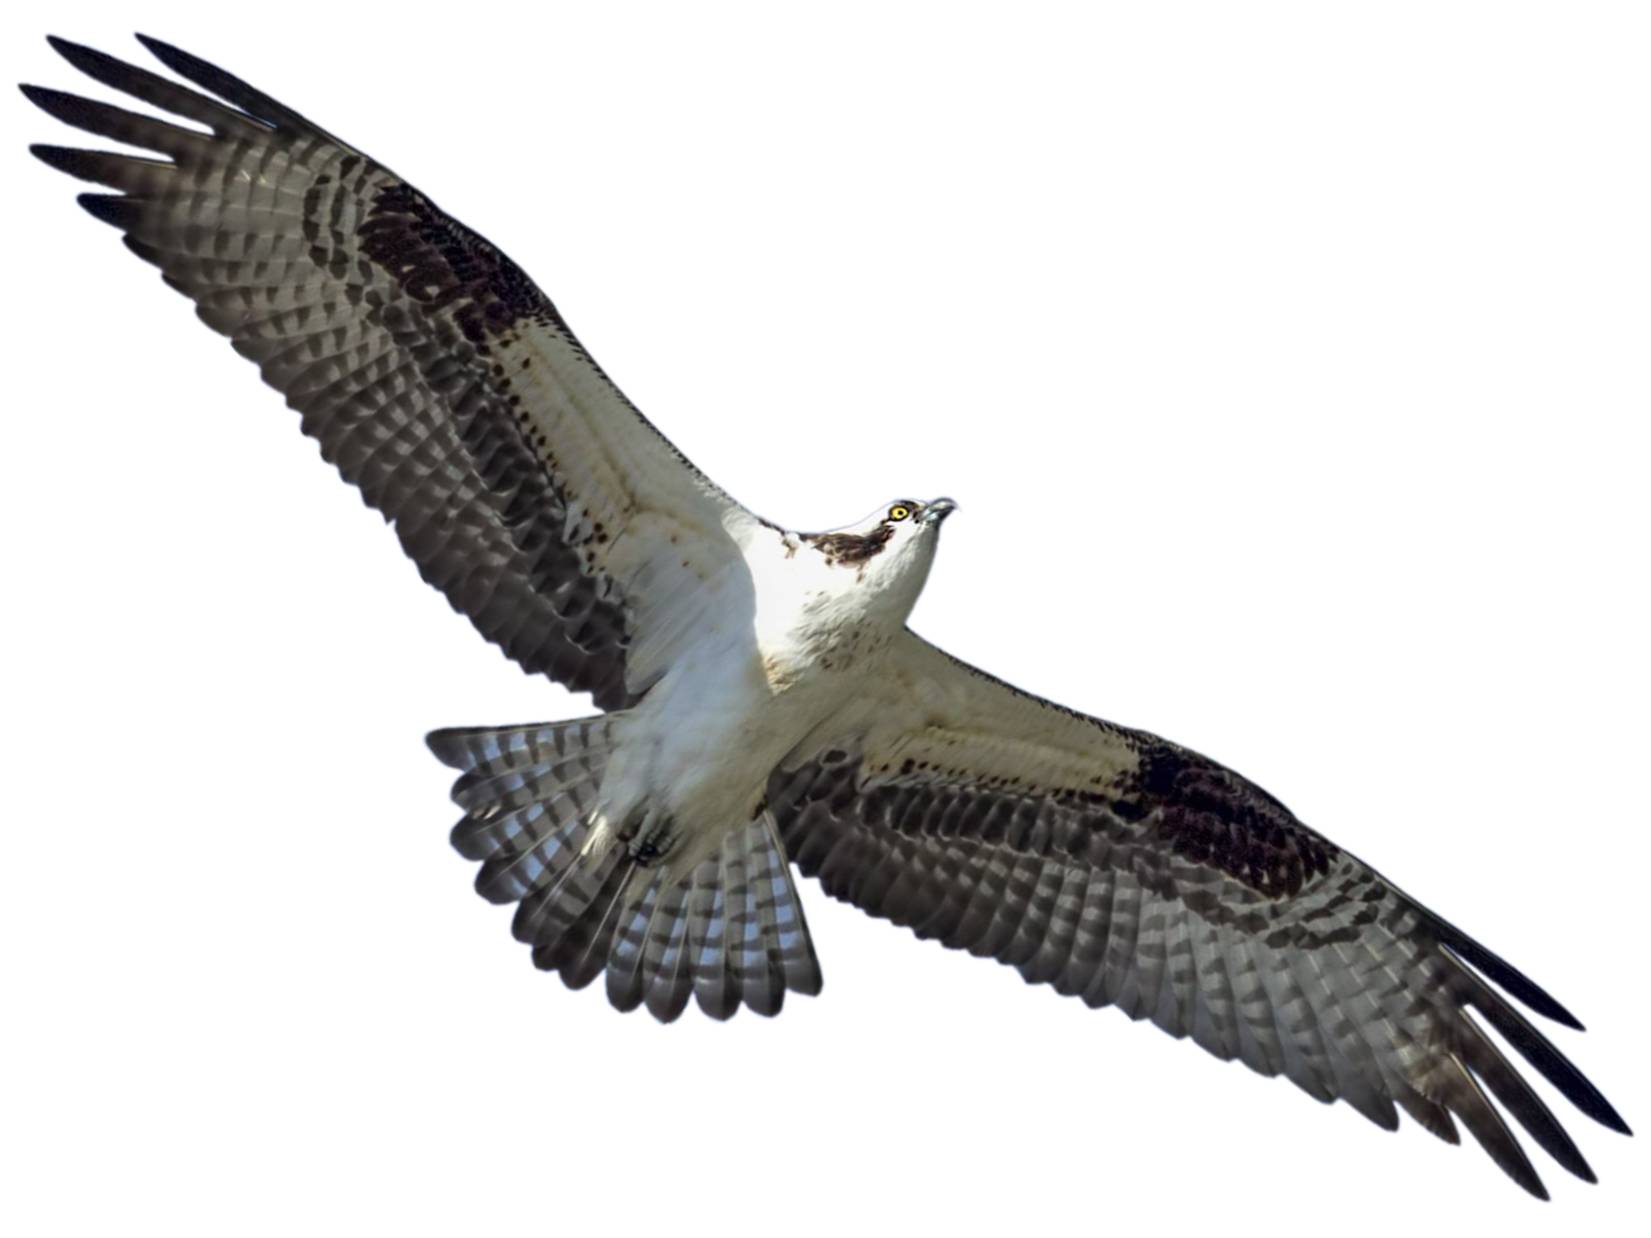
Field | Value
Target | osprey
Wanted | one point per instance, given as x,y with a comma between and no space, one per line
764,703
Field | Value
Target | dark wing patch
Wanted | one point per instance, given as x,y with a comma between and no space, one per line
432,372
443,265
1194,899
1207,814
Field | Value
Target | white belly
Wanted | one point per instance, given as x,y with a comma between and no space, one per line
698,749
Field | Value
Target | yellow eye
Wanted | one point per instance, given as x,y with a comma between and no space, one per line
899,511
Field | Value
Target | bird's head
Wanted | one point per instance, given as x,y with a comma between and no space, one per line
895,544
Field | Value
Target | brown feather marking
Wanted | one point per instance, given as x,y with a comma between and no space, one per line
851,549
1210,815
444,265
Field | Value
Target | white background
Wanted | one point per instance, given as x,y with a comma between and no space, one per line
1290,364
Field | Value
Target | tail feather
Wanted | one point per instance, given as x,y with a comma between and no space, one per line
729,932
626,975
714,986
747,958
480,751
648,961
513,788
538,846
756,924
666,956
581,954
509,830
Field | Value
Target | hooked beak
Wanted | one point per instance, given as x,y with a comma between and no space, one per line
938,510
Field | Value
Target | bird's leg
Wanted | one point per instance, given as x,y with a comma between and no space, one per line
650,839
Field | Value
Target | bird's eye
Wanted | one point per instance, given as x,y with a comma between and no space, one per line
899,511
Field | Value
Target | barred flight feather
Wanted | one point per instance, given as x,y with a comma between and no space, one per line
431,371
1112,882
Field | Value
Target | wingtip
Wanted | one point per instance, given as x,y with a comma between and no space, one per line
60,158
86,59
173,57
1536,997
1524,1173
59,104
1498,969
1609,1118
89,60
448,747
157,47
1561,1016
111,208
1592,1102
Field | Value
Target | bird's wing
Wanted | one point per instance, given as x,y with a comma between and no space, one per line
434,374
1125,870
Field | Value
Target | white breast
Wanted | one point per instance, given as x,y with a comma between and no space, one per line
777,652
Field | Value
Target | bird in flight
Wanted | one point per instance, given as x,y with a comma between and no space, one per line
763,702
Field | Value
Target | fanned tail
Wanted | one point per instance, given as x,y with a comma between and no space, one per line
730,932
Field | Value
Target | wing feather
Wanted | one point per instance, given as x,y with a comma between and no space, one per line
1127,871
431,371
